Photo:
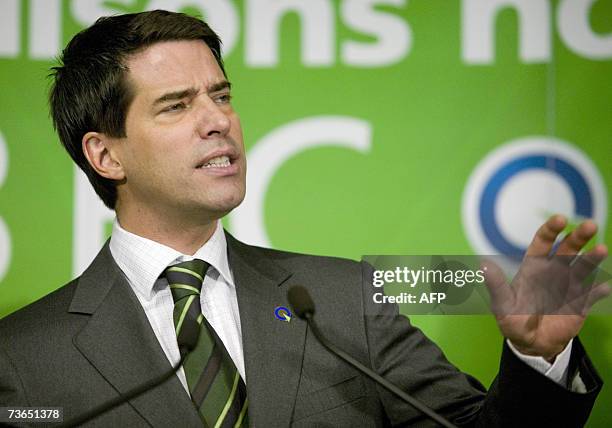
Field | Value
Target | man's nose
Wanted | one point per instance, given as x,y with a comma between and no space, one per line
212,120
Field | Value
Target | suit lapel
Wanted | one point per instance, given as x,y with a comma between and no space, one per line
119,342
273,349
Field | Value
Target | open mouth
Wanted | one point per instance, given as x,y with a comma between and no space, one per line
217,162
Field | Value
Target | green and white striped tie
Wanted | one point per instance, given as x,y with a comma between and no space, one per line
217,390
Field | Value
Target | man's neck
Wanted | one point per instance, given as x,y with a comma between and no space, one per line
183,236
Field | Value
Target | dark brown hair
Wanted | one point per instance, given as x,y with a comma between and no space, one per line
90,91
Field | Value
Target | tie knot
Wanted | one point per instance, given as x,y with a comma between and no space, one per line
185,279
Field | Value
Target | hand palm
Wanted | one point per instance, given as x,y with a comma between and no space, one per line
546,303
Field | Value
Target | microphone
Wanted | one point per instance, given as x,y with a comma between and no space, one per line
187,341
301,302
304,307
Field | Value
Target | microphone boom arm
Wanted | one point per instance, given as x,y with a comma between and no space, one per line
308,316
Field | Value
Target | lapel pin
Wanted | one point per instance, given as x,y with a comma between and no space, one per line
282,314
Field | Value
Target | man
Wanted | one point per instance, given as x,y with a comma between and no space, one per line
143,106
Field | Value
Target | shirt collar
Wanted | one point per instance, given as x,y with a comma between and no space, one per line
143,260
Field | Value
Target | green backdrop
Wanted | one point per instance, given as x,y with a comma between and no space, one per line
416,95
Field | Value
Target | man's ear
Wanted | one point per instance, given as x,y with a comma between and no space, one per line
101,154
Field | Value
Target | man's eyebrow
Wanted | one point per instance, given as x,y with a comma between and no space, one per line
176,95
191,92
219,86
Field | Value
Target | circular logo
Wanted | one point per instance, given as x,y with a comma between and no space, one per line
515,188
282,313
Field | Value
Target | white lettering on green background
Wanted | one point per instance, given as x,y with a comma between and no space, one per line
5,237
262,32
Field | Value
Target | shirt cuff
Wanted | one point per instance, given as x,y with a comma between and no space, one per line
556,371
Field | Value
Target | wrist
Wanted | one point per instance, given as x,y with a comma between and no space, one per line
549,356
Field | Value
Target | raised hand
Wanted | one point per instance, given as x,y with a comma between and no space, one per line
546,303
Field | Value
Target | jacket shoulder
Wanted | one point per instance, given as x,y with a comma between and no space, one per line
39,314
296,262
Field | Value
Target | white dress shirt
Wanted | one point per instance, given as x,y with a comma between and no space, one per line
143,261
556,371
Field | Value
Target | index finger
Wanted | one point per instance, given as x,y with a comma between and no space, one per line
545,237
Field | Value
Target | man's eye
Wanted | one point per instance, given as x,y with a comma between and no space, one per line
223,99
175,107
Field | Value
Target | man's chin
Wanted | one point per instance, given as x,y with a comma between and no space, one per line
222,208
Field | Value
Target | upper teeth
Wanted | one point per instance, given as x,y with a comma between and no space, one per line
219,161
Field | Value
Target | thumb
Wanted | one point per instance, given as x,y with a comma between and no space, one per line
596,294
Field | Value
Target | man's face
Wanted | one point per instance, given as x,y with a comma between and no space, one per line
183,154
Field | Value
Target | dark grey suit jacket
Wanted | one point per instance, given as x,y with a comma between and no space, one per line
90,340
